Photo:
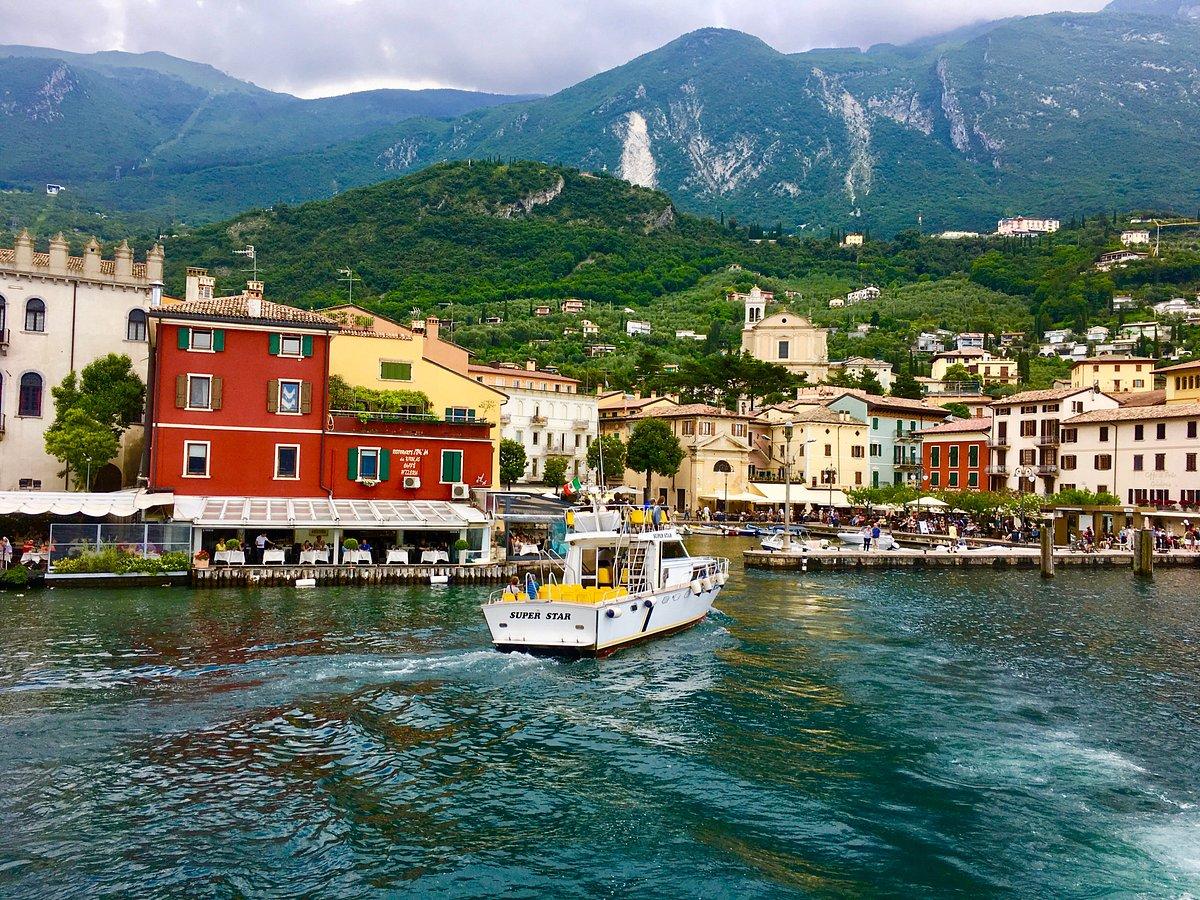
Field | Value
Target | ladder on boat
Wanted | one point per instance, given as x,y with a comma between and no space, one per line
635,568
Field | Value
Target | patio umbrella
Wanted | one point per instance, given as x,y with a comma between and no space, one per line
927,503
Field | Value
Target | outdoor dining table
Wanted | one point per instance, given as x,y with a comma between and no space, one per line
358,556
434,556
230,557
309,557
32,559
274,556
527,550
397,556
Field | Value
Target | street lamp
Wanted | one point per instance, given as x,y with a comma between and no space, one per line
829,476
788,430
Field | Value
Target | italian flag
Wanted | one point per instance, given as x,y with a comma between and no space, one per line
572,487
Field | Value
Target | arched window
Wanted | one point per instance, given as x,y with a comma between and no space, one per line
35,315
30,401
135,328
3,316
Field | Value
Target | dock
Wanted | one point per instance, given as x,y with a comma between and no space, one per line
360,575
843,559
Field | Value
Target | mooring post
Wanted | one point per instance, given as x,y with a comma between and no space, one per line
1143,553
1048,548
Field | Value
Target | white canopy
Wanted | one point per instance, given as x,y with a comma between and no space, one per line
122,504
801,493
927,503
280,512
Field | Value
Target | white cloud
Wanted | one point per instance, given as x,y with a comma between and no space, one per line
318,47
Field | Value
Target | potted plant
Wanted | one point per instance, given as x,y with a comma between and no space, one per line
200,559
233,544
350,549
460,547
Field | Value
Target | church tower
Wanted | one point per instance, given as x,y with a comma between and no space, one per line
756,306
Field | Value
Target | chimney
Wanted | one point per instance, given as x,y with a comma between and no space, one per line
123,261
59,252
431,328
199,285
156,292
91,258
254,289
531,365
254,305
154,264
23,249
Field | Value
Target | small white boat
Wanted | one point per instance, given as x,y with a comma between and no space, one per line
623,582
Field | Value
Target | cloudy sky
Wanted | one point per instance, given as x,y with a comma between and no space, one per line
322,47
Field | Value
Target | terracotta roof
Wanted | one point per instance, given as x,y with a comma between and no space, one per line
1178,366
1114,359
619,400
691,409
1039,396
875,401
1134,413
521,372
825,414
367,332
965,351
1140,398
959,426
237,307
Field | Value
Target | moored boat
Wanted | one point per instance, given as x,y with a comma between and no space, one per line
625,580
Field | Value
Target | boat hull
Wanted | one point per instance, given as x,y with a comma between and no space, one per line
577,629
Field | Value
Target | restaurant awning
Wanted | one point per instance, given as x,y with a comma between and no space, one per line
774,493
122,504
746,497
281,512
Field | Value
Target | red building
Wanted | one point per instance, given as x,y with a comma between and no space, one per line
240,408
954,455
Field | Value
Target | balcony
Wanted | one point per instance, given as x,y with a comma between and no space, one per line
582,425
3,342
403,425
1047,440
539,420
998,443
997,470
505,419
907,465
907,437
1047,471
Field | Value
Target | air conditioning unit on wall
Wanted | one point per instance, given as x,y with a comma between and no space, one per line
460,491
412,482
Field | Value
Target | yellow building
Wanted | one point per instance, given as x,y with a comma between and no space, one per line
382,355
784,338
1114,374
1182,382
828,450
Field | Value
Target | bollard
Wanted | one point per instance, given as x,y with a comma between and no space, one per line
1143,553
1048,549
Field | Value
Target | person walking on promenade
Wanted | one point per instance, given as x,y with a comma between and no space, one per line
6,552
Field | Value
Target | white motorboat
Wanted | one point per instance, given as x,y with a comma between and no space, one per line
855,539
624,581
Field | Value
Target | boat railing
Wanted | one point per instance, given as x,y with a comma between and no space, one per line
625,518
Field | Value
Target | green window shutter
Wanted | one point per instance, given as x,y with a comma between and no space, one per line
451,466
273,344
218,339
352,464
449,413
307,343
185,338
385,463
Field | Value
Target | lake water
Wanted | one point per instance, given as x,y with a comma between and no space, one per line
913,733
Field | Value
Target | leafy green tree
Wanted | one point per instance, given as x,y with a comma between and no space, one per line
512,461
82,444
107,390
958,373
654,449
614,457
906,385
555,472
961,410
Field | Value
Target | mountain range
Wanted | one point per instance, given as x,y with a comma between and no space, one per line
1048,115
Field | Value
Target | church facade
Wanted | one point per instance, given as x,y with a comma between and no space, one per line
784,338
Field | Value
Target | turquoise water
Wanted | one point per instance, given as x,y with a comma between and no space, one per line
900,733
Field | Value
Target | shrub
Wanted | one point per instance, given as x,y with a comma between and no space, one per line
350,544
16,577
461,545
233,544
114,561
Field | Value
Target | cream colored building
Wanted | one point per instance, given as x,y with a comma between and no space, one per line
1181,382
546,414
784,338
1114,374
828,450
716,462
857,366
57,314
